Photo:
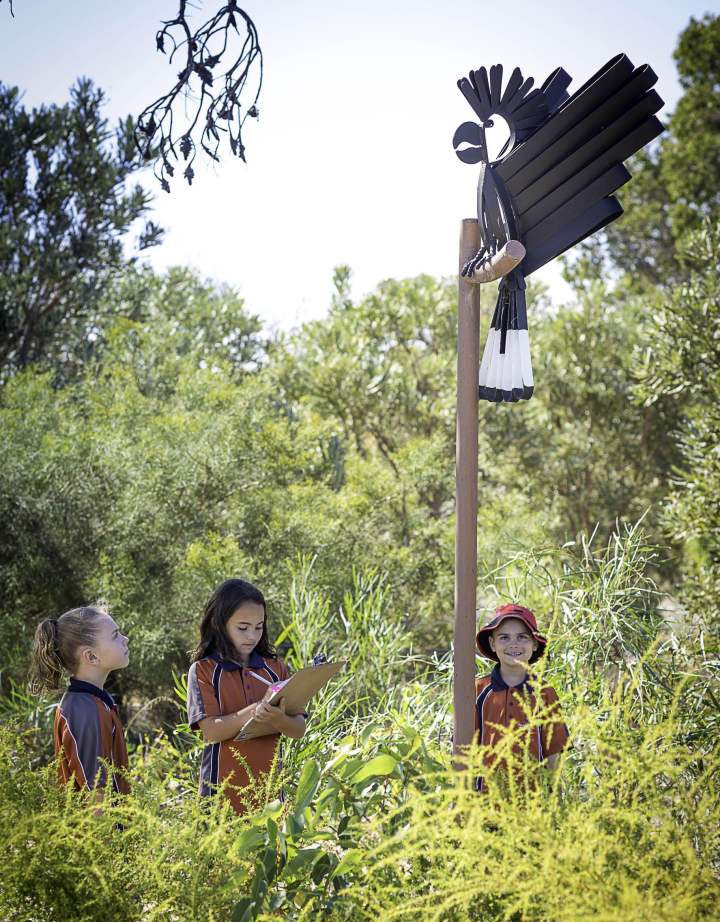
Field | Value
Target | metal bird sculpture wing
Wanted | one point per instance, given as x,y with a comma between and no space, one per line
551,186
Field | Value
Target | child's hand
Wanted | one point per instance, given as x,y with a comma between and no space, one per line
272,716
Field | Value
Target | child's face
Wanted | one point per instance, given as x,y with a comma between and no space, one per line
111,646
244,628
513,643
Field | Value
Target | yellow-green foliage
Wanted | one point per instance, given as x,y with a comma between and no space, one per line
376,824
149,857
628,827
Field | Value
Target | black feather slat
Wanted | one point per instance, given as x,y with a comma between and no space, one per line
605,83
555,88
514,84
496,73
470,93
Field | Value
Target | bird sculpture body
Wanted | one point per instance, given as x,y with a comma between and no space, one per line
551,186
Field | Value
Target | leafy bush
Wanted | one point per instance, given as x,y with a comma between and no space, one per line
381,827
376,823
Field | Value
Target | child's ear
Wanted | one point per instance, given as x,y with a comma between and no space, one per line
491,642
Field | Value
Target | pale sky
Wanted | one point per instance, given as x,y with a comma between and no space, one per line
351,160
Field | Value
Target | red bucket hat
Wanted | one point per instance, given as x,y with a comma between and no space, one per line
501,614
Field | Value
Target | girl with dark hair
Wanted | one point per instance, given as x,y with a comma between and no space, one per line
232,667
86,645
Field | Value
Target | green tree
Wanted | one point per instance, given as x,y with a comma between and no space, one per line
666,247
683,365
584,451
177,314
122,469
383,367
383,371
65,207
675,184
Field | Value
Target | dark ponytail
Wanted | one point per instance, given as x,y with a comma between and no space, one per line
56,644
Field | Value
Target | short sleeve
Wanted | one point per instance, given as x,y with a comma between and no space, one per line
482,689
80,741
554,732
202,701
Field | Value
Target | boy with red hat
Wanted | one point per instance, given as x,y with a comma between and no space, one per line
507,697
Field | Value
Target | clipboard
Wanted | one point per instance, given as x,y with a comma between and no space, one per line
297,692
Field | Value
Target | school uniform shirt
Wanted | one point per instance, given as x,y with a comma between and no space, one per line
219,687
498,705
88,729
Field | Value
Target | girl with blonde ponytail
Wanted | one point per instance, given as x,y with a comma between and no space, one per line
85,645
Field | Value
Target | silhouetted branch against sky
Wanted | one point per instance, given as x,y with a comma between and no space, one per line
205,103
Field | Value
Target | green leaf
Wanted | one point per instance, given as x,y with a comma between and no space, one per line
307,785
269,864
294,825
273,810
380,765
277,900
348,769
349,861
301,863
323,867
250,840
243,910
272,829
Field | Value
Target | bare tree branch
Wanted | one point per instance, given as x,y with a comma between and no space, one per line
213,98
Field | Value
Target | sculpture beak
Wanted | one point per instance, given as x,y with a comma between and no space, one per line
472,134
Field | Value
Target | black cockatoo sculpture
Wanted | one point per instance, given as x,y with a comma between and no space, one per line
551,186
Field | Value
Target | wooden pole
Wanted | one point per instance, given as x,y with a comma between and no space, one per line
466,480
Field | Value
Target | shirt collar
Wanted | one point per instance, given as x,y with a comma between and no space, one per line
499,684
78,685
255,661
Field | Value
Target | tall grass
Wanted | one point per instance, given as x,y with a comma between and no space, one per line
376,824
631,831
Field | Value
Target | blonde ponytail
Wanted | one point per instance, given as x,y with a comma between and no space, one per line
56,644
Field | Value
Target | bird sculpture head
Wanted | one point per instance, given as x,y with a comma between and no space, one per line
522,107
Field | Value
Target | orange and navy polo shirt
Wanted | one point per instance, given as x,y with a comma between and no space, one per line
88,729
498,705
219,687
